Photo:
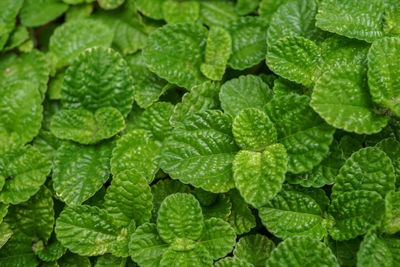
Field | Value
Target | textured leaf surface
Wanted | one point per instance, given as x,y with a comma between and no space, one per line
352,213
241,217
151,8
248,42
146,247
10,10
21,110
295,59
391,147
135,151
341,97
293,212
201,151
218,238
52,251
79,171
18,252
86,127
253,130
25,170
180,216
232,262
180,12
302,251
5,233
368,169
183,68
110,4
259,175
73,37
110,260
244,92
267,8
98,78
304,134
129,198
220,208
217,12
71,260
199,256
354,19
391,222
218,51
254,249
36,13
383,73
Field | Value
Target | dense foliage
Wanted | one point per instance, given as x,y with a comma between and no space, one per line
199,133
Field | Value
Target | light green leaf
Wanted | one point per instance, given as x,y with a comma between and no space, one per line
183,68
110,4
218,238
129,198
241,217
180,11
36,13
10,9
368,169
21,110
199,256
295,58
304,134
98,78
86,230
254,249
392,18
76,12
146,247
200,98
55,85
341,97
80,171
383,81
302,251
217,12
151,8
391,222
35,217
232,262
201,151
253,130
17,252
135,151
245,7
74,37
244,92
267,9
218,51
3,211
354,19
5,233
284,87
180,217
19,35
259,175
248,35
352,213
86,127
25,170
293,212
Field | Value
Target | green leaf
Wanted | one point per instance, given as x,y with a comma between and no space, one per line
352,213
253,130
254,249
284,87
73,260
180,216
3,211
80,171
21,110
304,134
392,17
293,212
129,198
354,19
245,7
199,256
146,247
74,37
98,78
86,127
151,8
17,252
180,11
218,238
110,4
248,35
259,175
218,51
107,260
241,217
391,222
294,18
183,68
86,230
25,170
5,233
232,262
52,251
135,151
217,12
76,12
201,151
220,208
36,13
244,92
345,251
392,149
302,251
383,73
267,9
295,58
341,97
19,35
200,98
35,217
10,9
368,169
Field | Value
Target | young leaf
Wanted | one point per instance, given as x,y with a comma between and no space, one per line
254,249
180,12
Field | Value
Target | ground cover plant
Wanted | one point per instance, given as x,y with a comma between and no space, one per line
199,133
